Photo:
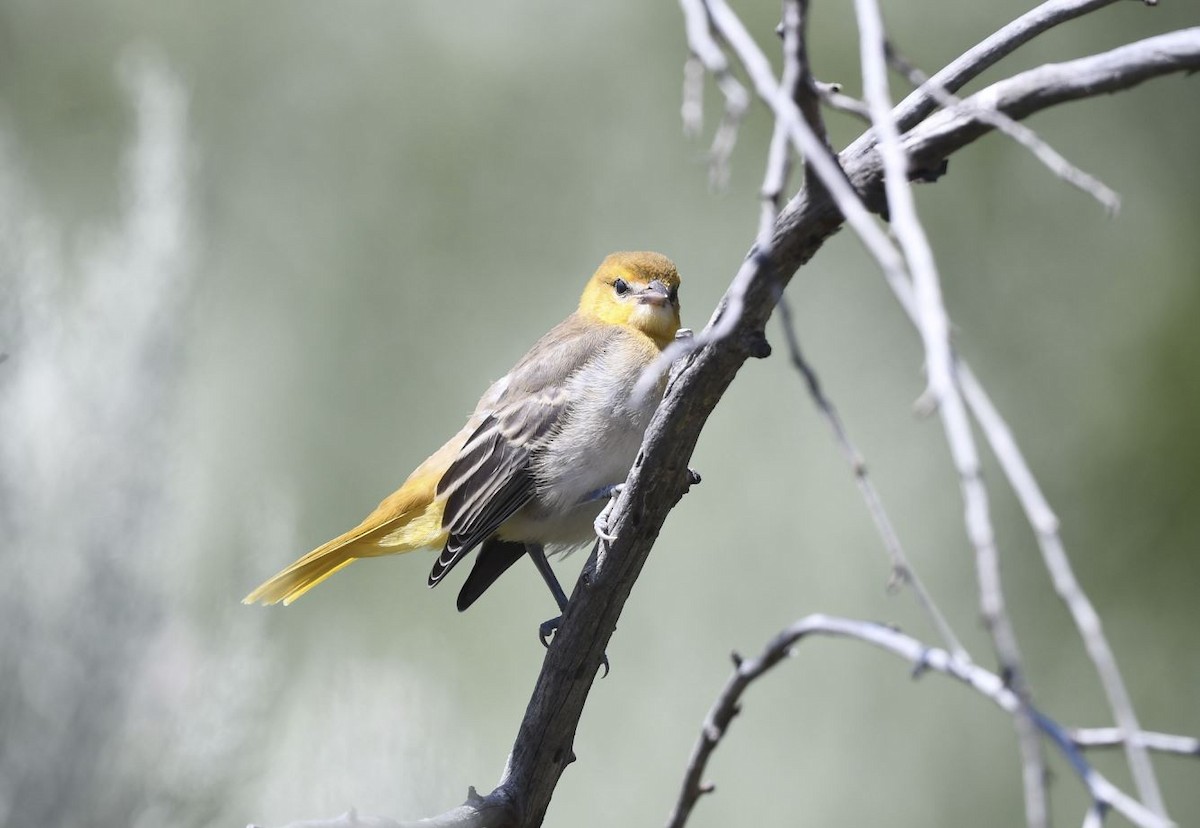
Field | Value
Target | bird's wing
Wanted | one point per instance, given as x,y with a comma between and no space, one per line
491,478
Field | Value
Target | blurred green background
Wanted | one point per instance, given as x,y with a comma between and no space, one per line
257,260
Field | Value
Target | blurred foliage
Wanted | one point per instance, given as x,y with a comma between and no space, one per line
385,204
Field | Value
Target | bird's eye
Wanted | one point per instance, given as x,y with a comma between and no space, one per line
621,287
673,294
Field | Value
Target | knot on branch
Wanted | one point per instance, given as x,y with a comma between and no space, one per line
756,344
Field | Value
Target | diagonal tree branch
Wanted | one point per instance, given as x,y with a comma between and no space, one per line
985,54
1055,83
1020,133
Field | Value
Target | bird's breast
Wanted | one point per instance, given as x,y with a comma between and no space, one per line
591,448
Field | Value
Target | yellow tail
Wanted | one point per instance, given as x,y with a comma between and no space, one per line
407,520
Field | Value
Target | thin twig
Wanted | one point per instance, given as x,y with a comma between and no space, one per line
803,89
832,95
1020,133
902,570
1045,525
934,326
1104,793
779,153
705,49
1114,737
924,659
1094,818
691,110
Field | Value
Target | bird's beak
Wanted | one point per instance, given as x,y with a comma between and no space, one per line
655,293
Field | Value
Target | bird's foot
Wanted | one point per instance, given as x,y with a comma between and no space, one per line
546,632
600,524
547,629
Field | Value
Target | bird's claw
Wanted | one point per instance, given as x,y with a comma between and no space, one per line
547,629
546,632
600,524
601,527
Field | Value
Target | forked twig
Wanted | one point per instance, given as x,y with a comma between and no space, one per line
923,659
1023,135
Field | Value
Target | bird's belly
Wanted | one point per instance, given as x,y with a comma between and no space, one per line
571,490
593,451
566,528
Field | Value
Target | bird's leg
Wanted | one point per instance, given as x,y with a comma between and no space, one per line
538,555
612,490
547,629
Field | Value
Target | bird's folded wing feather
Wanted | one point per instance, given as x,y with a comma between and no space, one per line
491,477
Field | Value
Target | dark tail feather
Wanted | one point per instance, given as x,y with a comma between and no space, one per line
495,556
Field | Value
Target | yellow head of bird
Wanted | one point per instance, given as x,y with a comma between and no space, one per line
640,290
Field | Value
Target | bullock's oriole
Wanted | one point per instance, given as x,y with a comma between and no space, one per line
546,445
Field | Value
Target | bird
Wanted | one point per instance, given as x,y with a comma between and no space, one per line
546,447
